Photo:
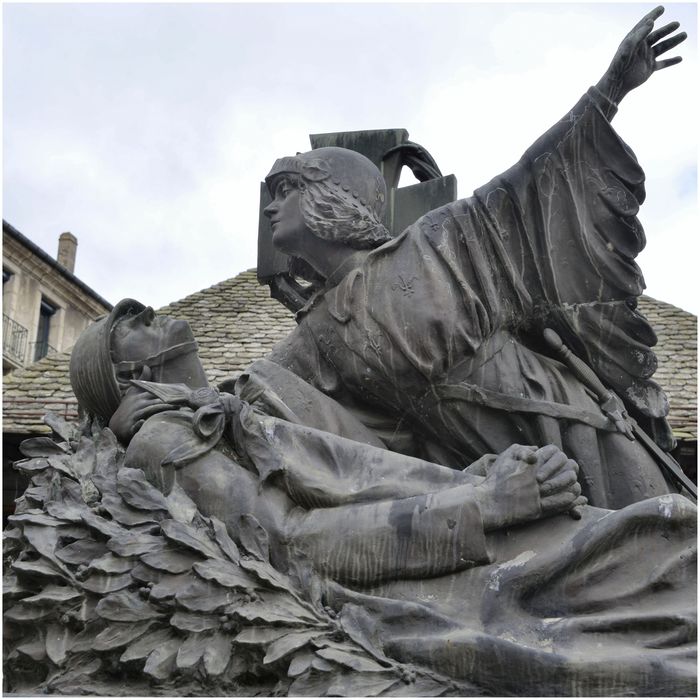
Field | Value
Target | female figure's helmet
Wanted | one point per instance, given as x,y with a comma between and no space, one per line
92,373
343,195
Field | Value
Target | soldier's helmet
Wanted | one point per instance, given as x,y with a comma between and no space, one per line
92,373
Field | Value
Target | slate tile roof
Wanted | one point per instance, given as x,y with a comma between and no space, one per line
236,322
677,354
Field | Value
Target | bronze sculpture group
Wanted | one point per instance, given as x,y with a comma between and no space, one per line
411,494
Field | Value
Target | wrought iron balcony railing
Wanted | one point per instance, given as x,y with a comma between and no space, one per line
14,340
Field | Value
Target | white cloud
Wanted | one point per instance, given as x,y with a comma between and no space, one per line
146,129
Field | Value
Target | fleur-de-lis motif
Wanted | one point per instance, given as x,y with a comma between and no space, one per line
406,286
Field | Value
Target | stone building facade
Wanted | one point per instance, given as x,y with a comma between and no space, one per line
45,306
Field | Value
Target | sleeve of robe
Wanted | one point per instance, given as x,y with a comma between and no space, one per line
553,241
570,206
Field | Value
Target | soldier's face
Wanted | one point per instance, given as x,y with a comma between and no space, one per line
288,227
146,339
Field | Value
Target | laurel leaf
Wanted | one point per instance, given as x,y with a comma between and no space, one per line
132,544
66,431
225,574
124,513
287,644
194,622
58,640
138,492
142,647
22,612
172,561
125,606
190,651
188,536
106,583
54,594
356,662
169,585
110,564
206,597
81,552
259,635
253,537
228,546
161,661
35,649
41,447
363,684
217,654
120,634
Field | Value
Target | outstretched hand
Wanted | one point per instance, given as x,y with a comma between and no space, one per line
525,483
638,56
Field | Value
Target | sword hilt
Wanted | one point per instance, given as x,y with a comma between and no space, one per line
609,403
613,407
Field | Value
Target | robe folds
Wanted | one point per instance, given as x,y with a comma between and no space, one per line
435,340
600,606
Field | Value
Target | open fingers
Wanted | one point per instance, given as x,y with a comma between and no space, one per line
651,16
660,65
668,44
663,31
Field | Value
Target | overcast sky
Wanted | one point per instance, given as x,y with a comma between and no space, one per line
145,129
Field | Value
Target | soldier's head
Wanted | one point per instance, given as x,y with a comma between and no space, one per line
117,347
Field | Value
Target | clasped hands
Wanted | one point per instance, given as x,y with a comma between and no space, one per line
525,483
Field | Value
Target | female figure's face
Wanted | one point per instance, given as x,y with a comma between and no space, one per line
289,231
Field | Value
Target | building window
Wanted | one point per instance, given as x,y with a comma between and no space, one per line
42,347
6,274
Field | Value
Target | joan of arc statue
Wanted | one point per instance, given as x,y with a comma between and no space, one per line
434,339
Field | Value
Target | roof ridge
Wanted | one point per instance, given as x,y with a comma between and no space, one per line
51,261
